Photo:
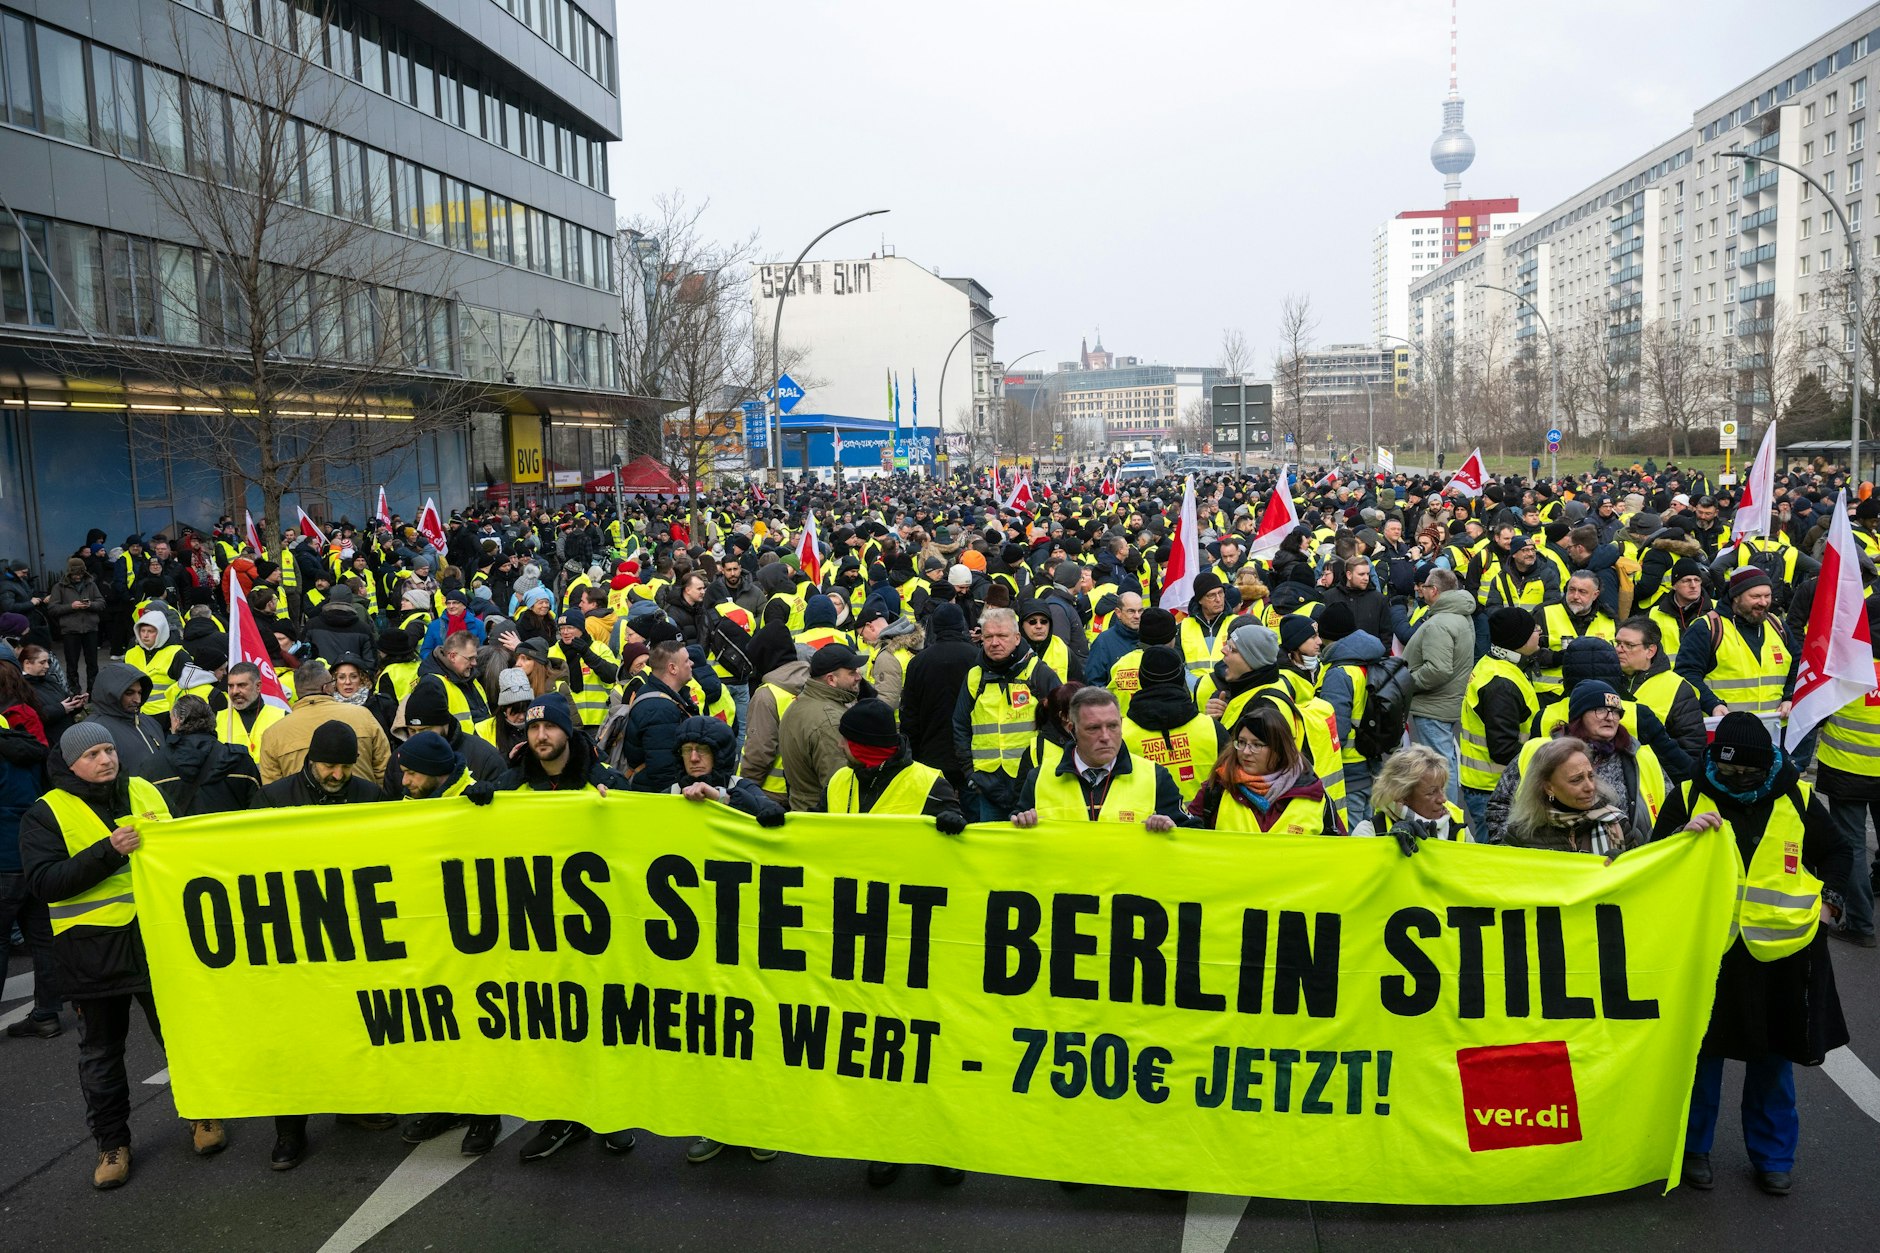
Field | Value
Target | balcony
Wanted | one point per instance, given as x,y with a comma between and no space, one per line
1754,326
1626,249
1761,182
1625,276
1758,219
1765,288
1764,145
1756,256
1628,301
1527,267
1631,219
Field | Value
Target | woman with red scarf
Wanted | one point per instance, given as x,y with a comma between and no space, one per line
1263,786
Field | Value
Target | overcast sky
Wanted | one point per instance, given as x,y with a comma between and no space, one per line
1161,171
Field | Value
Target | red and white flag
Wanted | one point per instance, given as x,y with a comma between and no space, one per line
309,528
864,495
806,554
1471,478
1277,520
244,644
1184,556
1837,665
759,493
252,535
431,524
1021,493
1754,513
1108,486
384,512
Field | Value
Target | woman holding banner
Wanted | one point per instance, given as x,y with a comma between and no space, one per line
1263,785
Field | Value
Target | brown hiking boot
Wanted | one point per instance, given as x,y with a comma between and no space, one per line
206,1136
114,1168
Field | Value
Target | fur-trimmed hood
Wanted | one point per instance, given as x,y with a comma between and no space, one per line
1681,548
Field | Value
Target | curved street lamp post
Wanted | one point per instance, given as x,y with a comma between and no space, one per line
940,454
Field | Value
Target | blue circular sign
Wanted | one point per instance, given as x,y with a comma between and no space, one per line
1553,436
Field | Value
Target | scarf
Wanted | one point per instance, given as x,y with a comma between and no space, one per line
1761,792
1506,654
357,698
1259,791
869,757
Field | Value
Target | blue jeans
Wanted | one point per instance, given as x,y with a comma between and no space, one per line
1475,804
1849,820
1441,736
1771,1127
1357,793
741,698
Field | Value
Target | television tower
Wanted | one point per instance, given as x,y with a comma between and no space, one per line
1453,152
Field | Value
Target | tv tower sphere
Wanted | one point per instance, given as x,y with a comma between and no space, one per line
1453,152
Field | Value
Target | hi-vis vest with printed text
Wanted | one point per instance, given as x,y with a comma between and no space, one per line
107,903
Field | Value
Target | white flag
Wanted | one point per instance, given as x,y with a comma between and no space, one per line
1837,665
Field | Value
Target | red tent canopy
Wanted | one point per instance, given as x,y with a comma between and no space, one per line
642,474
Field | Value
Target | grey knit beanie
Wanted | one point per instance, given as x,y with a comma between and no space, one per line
80,738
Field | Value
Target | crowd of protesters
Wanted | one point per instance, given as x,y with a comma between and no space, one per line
1581,665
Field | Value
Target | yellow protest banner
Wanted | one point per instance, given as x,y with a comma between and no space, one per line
1313,1018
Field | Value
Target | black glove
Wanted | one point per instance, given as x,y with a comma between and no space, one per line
950,822
771,818
1407,838
480,793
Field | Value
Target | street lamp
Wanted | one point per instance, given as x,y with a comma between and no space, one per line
1552,353
775,429
1031,414
1422,362
941,441
1860,318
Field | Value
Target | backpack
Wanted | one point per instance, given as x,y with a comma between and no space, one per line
1386,708
729,645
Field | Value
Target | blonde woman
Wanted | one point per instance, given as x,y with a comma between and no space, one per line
1562,805
1409,800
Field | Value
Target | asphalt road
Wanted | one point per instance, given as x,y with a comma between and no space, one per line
365,1189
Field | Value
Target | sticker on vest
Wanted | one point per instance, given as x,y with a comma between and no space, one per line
1791,856
1126,815
1021,697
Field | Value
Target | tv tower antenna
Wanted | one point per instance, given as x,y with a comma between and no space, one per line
1453,152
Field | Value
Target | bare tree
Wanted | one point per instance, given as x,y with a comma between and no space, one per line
1292,372
1837,305
1194,426
296,325
1682,381
1769,358
1236,355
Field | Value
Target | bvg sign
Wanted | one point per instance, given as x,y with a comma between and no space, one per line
525,449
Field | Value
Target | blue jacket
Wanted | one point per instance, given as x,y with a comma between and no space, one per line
1360,648
434,634
650,739
1107,649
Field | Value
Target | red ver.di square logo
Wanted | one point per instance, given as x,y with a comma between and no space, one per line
1515,1095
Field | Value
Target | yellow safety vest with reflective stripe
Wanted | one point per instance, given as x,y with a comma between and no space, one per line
1187,752
1659,692
1360,701
1315,734
1778,902
290,571
1653,787
459,706
796,603
1126,679
590,703
156,667
1743,678
1206,691
1199,652
1130,798
906,792
1560,633
230,729
819,637
775,785
1055,655
1003,717
1530,594
1850,738
397,679
1670,630
1749,549
725,708
1298,816
107,903
1479,770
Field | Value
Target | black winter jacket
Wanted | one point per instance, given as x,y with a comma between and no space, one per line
86,961
212,777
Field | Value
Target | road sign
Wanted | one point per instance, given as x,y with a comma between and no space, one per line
1387,461
788,394
1553,436
1553,445
1726,434
756,430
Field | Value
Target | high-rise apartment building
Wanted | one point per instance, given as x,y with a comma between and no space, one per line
442,224
1418,241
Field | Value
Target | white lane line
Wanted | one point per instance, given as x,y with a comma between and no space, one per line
425,1169
14,1015
17,986
160,1078
1853,1077
1211,1221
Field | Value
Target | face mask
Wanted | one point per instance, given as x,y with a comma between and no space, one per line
1309,664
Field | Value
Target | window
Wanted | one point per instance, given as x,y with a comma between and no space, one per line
17,56
114,102
1827,260
432,185
477,216
1808,152
384,212
1858,94
1803,302
1853,180
208,132
1857,135
1829,142
319,156
79,265
176,287
1807,269
500,247
1808,227
62,85
348,198
1808,114
163,117
1834,98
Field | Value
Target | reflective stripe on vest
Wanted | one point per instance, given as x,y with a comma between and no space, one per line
590,703
401,677
1744,679
107,903
1129,797
1003,718
1850,738
1199,652
1479,770
1187,752
906,792
1778,902
774,782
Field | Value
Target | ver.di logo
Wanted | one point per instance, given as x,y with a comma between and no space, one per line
1515,1095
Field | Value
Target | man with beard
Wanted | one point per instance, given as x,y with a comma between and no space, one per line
1742,661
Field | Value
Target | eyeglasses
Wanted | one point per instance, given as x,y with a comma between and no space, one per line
1623,645
1248,747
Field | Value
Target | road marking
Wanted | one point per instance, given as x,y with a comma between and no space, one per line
425,1169
17,986
160,1078
1851,1075
14,1015
1211,1221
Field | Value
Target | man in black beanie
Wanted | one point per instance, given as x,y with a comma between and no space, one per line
1776,1005
1156,628
1497,710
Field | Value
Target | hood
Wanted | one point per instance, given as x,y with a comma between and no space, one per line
776,579
1681,548
716,736
790,676
113,681
339,615
1162,707
1458,602
820,612
188,753
1359,646
155,618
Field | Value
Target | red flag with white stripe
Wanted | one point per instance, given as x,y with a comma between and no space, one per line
384,511
1471,478
806,554
309,528
1755,512
1277,520
1184,556
431,524
1837,665
244,644
252,535
1021,493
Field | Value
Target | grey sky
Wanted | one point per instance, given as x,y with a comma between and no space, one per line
1162,171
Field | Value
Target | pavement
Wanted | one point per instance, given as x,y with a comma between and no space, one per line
361,1189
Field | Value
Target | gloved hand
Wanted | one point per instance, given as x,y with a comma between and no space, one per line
771,818
481,793
1407,838
950,822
